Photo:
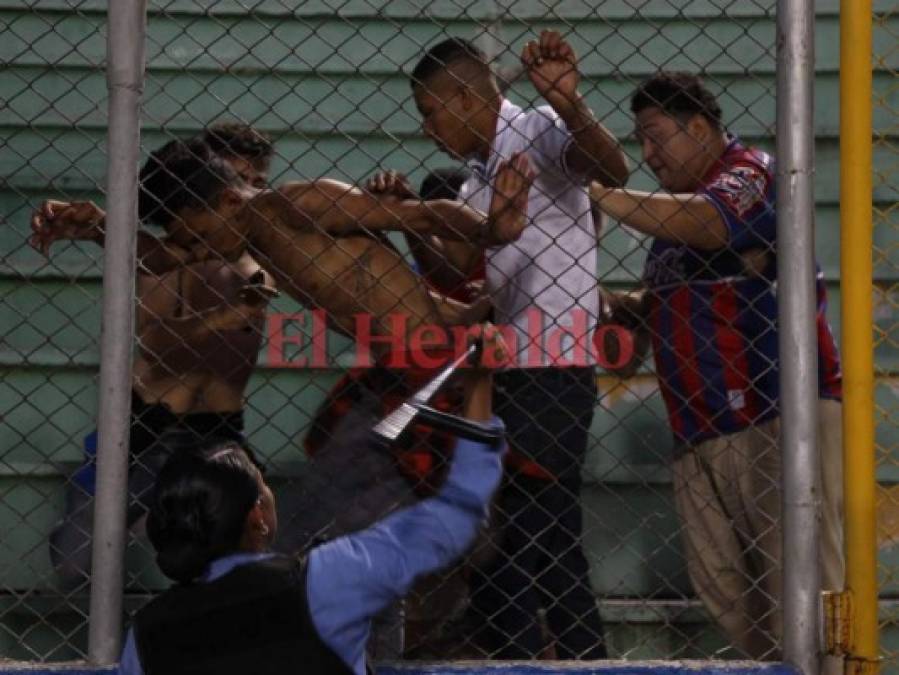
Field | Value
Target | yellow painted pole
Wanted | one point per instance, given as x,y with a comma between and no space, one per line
858,330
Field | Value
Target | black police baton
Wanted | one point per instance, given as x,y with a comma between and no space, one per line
416,408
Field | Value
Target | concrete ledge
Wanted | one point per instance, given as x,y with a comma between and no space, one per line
601,667
491,668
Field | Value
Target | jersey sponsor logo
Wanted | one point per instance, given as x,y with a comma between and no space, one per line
742,187
666,267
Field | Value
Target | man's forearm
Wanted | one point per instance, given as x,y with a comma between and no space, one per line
359,574
458,222
595,152
478,397
682,218
154,254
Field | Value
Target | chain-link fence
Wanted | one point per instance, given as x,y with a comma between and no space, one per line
53,143
647,489
886,115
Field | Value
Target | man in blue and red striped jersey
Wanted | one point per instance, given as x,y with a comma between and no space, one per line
711,308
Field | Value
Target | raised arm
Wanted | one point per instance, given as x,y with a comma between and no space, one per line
594,153
85,221
342,209
352,578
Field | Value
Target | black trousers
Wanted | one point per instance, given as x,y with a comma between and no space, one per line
541,563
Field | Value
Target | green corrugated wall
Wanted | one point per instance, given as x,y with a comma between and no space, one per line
329,85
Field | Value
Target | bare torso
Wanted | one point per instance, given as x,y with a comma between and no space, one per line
211,375
346,276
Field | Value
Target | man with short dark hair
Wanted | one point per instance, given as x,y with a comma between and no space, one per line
710,306
541,285
198,337
248,150
315,238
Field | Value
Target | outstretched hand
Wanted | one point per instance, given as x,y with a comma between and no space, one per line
391,183
552,66
509,206
55,220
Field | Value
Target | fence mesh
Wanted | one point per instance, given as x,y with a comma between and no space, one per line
281,93
53,143
886,115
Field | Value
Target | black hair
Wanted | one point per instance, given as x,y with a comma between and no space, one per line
679,95
441,55
233,139
443,183
179,175
199,507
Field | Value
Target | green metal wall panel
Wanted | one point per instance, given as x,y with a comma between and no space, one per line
308,70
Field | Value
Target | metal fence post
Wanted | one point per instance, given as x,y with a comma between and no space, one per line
797,341
125,66
322,90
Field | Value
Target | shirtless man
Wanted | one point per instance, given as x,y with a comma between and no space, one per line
199,331
315,238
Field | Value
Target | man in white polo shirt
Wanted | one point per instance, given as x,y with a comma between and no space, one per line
543,286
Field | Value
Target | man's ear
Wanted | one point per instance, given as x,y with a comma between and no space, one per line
699,128
469,99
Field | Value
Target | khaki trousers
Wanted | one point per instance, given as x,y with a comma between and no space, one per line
727,494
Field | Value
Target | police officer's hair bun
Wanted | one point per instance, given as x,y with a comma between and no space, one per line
199,507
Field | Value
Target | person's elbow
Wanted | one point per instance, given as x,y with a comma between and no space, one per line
611,168
615,173
318,202
476,474
710,236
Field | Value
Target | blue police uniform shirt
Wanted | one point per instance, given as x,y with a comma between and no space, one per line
352,578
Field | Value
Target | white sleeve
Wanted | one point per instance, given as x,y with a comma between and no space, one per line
549,142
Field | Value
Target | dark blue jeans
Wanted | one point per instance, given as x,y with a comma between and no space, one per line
541,563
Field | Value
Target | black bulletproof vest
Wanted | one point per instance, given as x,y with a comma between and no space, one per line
253,620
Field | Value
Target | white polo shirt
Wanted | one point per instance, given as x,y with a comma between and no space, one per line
544,285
